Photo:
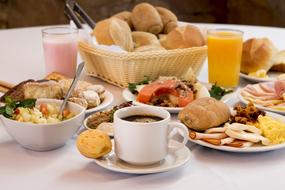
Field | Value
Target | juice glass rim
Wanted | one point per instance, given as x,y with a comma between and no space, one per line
235,32
65,30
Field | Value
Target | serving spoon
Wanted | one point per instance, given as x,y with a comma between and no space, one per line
71,88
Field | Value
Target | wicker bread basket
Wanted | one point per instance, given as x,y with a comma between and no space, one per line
123,68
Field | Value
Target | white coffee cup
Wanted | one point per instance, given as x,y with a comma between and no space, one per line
146,143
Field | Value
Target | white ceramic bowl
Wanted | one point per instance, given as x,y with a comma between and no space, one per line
44,137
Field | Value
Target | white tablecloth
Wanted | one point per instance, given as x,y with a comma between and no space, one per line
21,57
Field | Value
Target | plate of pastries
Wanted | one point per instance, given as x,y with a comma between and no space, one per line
93,97
262,61
242,128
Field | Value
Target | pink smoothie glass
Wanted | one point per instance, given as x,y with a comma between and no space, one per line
60,50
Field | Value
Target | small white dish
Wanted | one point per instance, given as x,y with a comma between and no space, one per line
108,100
258,105
171,161
109,131
271,77
44,137
255,148
129,96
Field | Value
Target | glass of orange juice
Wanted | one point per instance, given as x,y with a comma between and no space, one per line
224,56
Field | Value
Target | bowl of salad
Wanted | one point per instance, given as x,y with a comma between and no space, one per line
36,124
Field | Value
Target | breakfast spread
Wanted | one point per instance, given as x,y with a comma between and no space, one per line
244,127
269,95
168,91
142,128
55,86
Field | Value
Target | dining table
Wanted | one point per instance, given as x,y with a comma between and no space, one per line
21,58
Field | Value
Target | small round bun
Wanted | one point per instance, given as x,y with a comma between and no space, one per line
144,38
125,16
168,18
184,37
146,18
93,143
114,31
257,53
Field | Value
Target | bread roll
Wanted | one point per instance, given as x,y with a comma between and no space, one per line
114,31
279,62
204,113
151,47
93,143
144,38
146,18
125,16
169,19
257,53
184,37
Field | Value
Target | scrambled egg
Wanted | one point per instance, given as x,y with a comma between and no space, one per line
259,74
272,129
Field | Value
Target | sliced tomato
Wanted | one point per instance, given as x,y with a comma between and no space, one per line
154,89
185,100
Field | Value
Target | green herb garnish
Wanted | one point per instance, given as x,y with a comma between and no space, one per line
218,92
11,105
133,86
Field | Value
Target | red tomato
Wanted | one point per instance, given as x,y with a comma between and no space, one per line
185,100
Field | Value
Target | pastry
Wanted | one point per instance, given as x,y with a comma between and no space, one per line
257,53
46,89
93,143
144,38
204,113
114,31
125,16
146,18
184,37
169,19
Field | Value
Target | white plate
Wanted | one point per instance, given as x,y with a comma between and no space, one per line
106,102
129,96
255,148
258,105
172,161
271,77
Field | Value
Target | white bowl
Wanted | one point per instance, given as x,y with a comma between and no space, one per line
44,137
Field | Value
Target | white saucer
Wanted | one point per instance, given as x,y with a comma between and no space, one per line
171,161
106,102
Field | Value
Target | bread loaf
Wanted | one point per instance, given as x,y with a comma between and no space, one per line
204,113
184,37
144,38
125,16
114,31
146,18
257,53
169,19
